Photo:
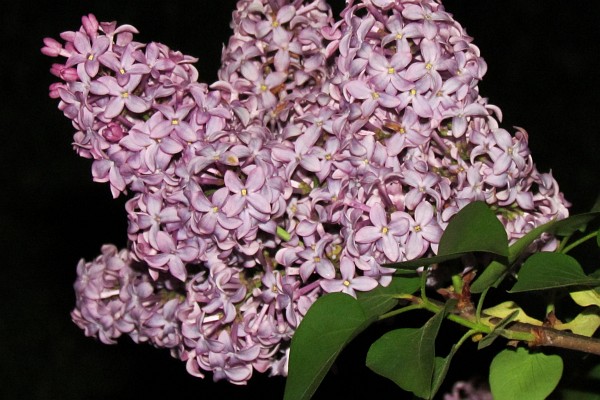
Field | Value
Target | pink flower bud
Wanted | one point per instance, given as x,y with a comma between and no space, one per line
64,73
52,48
90,24
113,132
54,90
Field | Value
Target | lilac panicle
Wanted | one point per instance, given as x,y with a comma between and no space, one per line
327,149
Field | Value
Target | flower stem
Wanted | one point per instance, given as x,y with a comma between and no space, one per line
400,311
576,243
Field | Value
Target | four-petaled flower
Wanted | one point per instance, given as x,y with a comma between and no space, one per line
383,233
123,96
349,282
247,195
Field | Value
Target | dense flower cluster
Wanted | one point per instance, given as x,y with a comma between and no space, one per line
327,149
114,296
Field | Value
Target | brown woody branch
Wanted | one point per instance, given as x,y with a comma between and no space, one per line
545,336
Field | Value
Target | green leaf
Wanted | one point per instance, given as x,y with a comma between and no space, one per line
475,228
382,299
503,310
490,277
551,270
329,325
598,238
586,323
584,298
523,375
407,356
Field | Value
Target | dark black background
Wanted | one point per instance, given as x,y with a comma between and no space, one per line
543,73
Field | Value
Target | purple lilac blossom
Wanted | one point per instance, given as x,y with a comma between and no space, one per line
326,150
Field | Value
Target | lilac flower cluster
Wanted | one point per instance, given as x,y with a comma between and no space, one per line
327,149
115,297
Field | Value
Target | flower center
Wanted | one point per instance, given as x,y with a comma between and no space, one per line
391,70
175,121
428,66
346,283
122,71
375,95
125,95
385,230
244,192
264,87
417,228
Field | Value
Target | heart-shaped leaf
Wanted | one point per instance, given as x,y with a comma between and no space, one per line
519,374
